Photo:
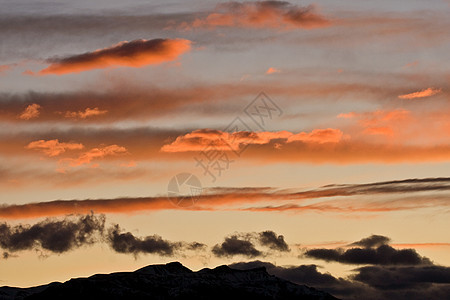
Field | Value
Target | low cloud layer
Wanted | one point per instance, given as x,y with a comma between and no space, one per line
421,281
375,251
396,278
372,283
72,232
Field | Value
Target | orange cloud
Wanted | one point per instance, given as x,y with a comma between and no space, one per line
380,122
31,112
262,14
201,139
319,136
421,94
4,68
88,112
136,53
272,70
53,147
96,153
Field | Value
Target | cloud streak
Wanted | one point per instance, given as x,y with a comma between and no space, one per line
137,53
421,94
249,199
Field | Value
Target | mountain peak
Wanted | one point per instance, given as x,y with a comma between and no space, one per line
171,268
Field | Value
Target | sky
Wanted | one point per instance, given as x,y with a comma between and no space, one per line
312,138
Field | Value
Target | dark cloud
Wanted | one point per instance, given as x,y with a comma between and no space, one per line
411,277
375,252
372,241
53,235
126,242
59,236
236,245
244,244
310,275
304,274
370,283
271,240
396,186
136,53
195,246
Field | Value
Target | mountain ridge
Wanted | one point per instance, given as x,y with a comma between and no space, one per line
171,281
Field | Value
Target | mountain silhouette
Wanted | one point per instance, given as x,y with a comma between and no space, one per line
172,281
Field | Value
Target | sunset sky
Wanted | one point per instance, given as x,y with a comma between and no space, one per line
314,128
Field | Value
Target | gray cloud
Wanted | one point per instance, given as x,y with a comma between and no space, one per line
59,236
56,236
244,244
270,239
371,283
395,278
236,245
372,241
126,242
375,252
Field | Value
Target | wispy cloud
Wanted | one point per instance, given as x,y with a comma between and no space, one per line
53,147
256,199
421,94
